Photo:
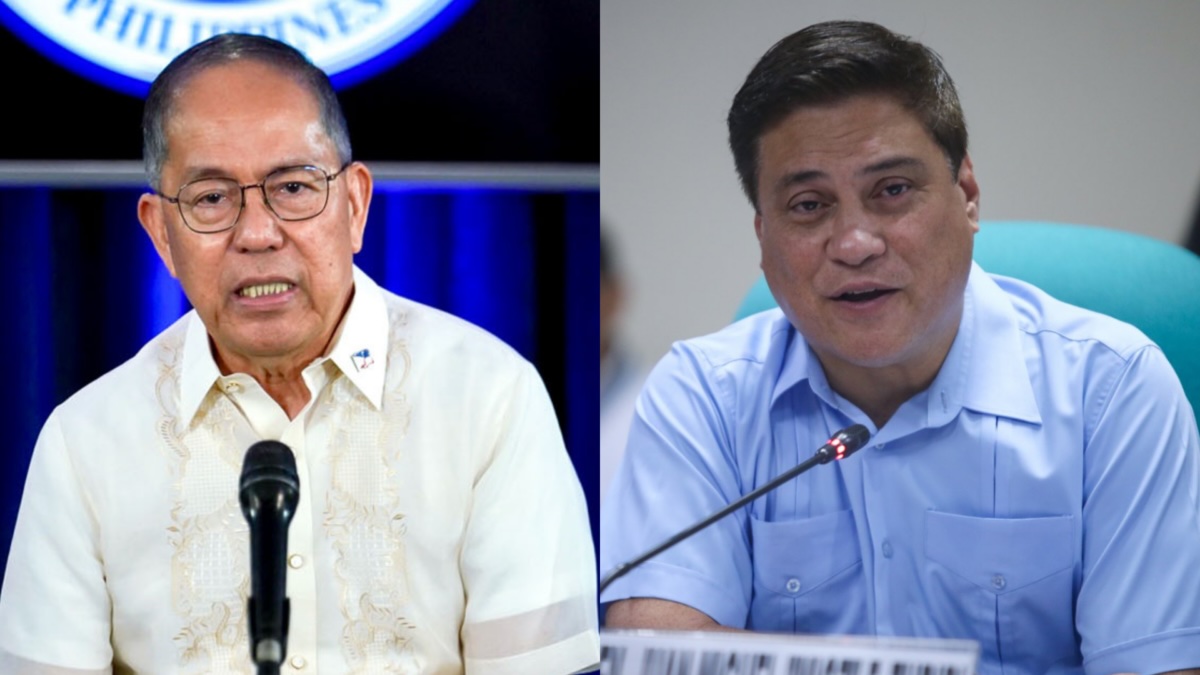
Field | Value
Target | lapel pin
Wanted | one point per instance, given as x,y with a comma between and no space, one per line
362,359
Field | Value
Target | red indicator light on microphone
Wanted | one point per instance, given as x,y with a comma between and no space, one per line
843,444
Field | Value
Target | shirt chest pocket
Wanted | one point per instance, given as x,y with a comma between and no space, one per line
808,575
1006,582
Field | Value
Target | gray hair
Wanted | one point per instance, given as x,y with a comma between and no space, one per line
227,48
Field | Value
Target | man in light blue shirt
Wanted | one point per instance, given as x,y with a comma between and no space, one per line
1031,482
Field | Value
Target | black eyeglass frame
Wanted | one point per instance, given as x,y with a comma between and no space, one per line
261,185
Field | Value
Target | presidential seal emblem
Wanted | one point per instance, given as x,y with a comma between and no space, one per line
125,43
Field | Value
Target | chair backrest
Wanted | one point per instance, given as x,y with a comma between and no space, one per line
1146,282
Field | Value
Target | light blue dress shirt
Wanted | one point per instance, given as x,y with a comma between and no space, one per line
1040,497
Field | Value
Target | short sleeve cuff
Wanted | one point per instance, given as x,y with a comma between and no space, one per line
11,664
685,586
1173,650
578,653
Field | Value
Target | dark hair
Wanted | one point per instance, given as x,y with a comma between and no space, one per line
228,48
830,62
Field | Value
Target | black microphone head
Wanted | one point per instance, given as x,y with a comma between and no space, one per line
269,475
844,443
852,438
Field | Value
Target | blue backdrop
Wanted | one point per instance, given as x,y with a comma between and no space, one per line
85,290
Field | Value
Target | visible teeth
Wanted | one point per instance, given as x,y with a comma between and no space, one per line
264,289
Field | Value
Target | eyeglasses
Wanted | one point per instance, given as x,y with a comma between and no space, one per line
211,205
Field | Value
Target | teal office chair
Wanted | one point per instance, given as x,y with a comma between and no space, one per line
1148,283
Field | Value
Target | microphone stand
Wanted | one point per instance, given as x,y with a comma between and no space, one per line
838,447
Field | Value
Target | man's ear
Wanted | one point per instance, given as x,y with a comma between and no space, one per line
359,185
154,222
970,188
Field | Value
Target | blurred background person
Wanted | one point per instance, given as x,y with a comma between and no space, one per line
620,375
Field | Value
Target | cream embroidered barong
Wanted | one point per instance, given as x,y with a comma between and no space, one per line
441,528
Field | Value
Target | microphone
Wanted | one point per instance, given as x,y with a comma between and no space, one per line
269,490
840,446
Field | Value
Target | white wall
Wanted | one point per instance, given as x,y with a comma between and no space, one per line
1084,111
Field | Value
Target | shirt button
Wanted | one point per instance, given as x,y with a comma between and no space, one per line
298,662
998,582
887,549
296,561
232,387
880,446
793,585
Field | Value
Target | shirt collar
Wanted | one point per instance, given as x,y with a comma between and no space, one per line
800,365
198,371
359,350
984,371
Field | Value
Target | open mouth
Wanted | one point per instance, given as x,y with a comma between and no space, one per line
261,290
864,296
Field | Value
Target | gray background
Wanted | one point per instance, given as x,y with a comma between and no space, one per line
1079,111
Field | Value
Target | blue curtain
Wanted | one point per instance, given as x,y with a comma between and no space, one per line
86,290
